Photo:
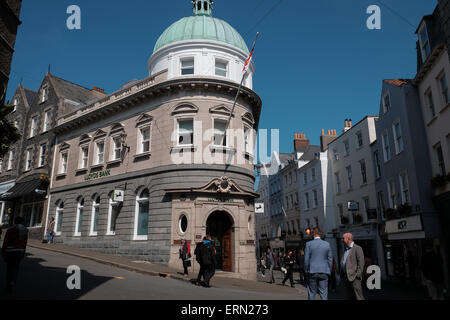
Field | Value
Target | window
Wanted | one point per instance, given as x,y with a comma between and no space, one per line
424,43
183,224
366,202
79,221
113,214
381,202
347,147
316,199
141,218
221,68
336,154
144,140
94,217
63,163
84,157
220,137
440,159
187,67
349,177
16,124
59,218
34,127
47,120
117,149
307,205
313,174
15,103
11,159
391,192
362,165
185,132
338,182
404,187
42,154
444,89
100,152
305,178
28,161
359,139
247,132
429,99
44,94
386,103
386,148
377,164
398,138
316,220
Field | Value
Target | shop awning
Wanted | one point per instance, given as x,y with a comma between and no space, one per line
33,187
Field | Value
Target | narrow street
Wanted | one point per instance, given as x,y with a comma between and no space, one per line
43,276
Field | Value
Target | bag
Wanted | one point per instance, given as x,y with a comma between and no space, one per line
283,270
187,263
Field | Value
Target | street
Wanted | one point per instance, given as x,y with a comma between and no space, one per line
43,277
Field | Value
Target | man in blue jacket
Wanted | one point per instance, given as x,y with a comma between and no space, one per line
318,263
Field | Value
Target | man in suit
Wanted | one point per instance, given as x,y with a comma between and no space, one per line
318,262
270,261
352,268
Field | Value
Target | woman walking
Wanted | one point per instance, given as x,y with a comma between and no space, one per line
185,256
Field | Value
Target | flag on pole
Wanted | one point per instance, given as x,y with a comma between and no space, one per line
250,56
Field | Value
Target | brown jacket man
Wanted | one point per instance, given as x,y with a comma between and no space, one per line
353,268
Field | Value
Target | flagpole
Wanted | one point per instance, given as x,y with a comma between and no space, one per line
239,89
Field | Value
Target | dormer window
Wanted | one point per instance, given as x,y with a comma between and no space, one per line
44,94
386,103
187,66
424,42
15,103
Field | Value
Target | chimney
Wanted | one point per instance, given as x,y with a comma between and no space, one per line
348,125
326,139
300,141
98,89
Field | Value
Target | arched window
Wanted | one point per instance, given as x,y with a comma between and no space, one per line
141,215
205,6
94,216
79,221
113,214
59,217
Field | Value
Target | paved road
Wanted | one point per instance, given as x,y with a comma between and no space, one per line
43,276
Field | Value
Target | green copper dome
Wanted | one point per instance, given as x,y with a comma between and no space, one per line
201,27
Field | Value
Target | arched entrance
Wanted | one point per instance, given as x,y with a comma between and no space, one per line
219,227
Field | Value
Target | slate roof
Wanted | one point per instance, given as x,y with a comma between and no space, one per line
70,90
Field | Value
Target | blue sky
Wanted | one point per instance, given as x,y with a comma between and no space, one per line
316,62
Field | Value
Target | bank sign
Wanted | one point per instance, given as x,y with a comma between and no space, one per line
97,175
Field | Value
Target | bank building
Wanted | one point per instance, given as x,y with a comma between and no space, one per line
132,172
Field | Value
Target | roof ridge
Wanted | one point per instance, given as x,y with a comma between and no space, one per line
70,82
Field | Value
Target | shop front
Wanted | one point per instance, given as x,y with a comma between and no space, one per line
5,207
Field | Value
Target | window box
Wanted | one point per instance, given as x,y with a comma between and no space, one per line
391,214
61,175
404,210
113,162
97,166
358,219
439,181
142,155
81,170
190,148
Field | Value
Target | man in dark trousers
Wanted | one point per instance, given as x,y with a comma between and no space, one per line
289,262
352,268
13,251
198,257
208,258
318,263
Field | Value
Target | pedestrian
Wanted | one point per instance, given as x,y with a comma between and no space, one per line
301,266
318,264
270,261
332,278
352,267
185,256
432,271
51,230
13,251
263,266
289,262
198,258
208,258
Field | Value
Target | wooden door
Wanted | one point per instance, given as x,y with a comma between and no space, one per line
227,263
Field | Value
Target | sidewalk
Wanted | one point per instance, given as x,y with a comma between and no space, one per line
221,279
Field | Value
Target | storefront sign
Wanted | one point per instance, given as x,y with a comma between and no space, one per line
353,206
259,208
408,224
97,175
119,195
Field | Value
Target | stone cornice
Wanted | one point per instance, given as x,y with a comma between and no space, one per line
148,89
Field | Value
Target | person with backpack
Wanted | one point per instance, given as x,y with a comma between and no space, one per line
185,256
13,251
208,260
198,258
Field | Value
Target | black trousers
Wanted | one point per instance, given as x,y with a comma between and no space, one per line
289,275
209,271
12,260
201,273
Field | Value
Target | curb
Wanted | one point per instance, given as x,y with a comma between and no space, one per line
111,263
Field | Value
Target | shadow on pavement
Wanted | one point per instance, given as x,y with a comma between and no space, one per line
39,282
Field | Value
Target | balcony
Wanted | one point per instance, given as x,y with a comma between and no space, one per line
402,211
